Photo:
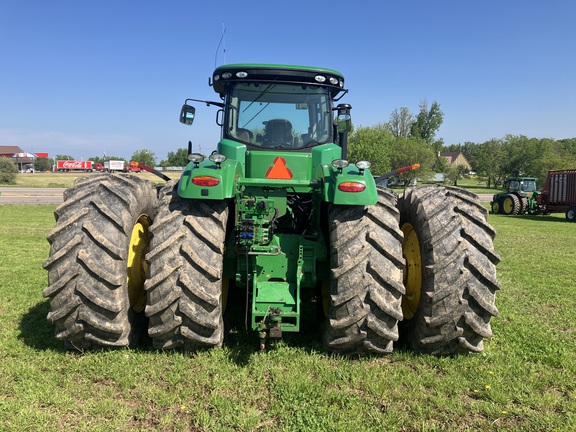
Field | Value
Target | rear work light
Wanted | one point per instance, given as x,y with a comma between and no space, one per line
206,181
351,187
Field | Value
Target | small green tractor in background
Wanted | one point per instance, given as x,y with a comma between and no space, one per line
520,197
558,195
275,220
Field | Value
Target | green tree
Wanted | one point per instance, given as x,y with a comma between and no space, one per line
441,165
489,157
549,154
97,159
566,149
427,122
567,146
455,173
520,155
8,171
106,158
372,144
179,158
145,157
410,151
400,123
43,164
64,157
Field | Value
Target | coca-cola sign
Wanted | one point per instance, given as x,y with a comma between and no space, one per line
70,164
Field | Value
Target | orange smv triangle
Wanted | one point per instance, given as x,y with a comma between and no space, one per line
279,170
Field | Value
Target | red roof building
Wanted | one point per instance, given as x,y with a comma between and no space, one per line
21,158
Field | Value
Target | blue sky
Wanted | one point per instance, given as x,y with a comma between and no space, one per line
83,78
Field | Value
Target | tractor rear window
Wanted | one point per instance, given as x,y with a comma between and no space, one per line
528,185
522,186
281,116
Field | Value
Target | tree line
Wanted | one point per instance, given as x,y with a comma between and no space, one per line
518,155
407,139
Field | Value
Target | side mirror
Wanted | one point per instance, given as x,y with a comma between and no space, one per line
344,121
187,114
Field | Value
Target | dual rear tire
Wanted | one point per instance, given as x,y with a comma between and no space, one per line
510,205
96,268
430,284
101,289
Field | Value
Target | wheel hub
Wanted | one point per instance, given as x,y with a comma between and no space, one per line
412,271
508,205
137,268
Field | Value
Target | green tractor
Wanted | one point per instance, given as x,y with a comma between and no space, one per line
520,197
276,220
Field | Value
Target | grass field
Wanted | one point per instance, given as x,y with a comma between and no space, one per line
65,180
524,380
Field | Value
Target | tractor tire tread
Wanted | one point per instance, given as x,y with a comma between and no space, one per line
459,284
366,283
184,287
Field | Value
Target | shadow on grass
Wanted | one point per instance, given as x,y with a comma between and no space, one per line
547,218
241,344
36,331
541,218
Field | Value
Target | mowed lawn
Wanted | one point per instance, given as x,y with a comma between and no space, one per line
65,180
524,380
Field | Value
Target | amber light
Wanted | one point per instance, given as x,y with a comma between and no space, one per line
205,181
351,187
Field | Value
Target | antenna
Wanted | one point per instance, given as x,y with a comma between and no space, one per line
224,42
220,43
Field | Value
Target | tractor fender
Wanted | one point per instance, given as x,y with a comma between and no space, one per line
207,180
349,187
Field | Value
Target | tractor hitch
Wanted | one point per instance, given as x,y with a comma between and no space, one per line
270,327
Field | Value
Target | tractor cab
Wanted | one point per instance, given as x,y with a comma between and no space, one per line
278,107
287,108
522,185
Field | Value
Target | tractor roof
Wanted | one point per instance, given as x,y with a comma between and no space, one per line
232,73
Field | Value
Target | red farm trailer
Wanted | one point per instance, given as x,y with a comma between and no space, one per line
559,193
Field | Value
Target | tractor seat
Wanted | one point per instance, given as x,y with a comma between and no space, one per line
277,133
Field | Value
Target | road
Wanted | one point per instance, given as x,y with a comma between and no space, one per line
485,197
12,195
55,195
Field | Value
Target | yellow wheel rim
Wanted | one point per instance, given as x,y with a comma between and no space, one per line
495,207
508,205
412,271
137,267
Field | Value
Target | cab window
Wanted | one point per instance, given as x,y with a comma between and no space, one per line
280,116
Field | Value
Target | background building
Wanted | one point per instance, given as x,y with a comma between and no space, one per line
23,160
